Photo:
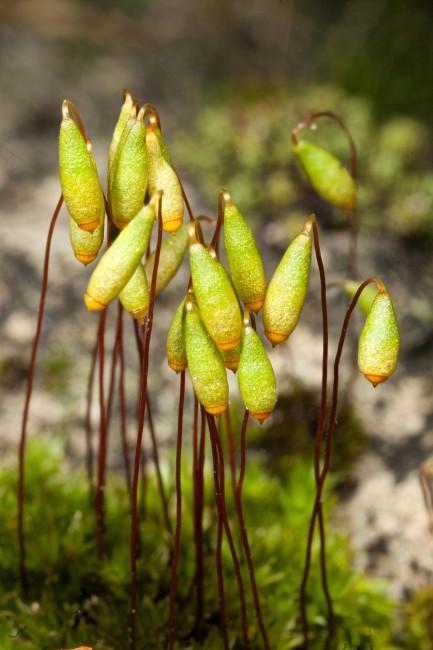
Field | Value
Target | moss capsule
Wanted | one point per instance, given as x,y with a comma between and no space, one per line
205,363
119,262
135,295
287,289
85,244
163,177
79,179
175,345
128,108
366,298
215,296
256,376
129,172
170,258
243,257
332,181
231,358
379,342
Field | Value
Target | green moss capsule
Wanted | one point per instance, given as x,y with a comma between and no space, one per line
163,177
127,110
366,298
256,376
162,143
171,256
205,363
129,172
79,179
215,296
175,345
243,257
288,287
135,295
116,266
332,181
379,342
85,245
231,358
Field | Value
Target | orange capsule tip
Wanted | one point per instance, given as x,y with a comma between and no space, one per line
120,224
89,226
276,337
92,304
233,364
216,409
228,345
85,258
255,305
173,225
375,379
177,367
139,314
260,416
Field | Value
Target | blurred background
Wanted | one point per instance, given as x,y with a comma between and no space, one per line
230,80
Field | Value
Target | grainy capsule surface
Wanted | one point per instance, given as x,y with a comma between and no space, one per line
256,376
175,346
231,358
85,245
171,256
124,115
135,295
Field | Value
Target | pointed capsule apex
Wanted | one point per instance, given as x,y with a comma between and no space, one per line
65,110
92,304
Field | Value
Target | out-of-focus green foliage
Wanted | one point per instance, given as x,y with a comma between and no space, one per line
245,145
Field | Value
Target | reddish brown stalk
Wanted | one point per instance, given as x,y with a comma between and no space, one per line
218,455
176,548
102,451
198,522
162,495
88,418
122,406
231,447
29,389
244,534
139,442
328,454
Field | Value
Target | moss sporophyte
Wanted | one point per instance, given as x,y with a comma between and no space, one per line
207,336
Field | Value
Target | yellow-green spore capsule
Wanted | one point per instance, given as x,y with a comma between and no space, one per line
287,289
79,179
163,177
205,363
129,172
85,245
243,257
256,376
332,181
215,296
127,108
171,256
135,295
366,298
162,143
379,342
231,358
175,345
116,266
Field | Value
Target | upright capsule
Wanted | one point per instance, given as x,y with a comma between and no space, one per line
117,265
256,376
127,110
288,287
171,256
379,342
85,244
205,363
243,257
332,181
163,177
129,172
366,298
135,295
175,345
219,307
79,179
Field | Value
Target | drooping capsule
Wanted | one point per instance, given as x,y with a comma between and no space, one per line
128,108
231,358
171,256
379,342
328,177
243,257
366,298
135,295
219,307
205,363
163,177
129,172
116,266
85,244
79,179
288,287
256,376
162,143
175,345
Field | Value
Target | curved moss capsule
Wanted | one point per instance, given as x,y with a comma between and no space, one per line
231,358
127,110
85,245
175,345
215,297
163,177
243,257
379,342
256,376
205,363
135,295
162,143
79,179
366,298
287,289
332,181
119,262
170,258
129,172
